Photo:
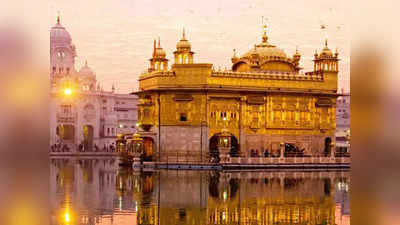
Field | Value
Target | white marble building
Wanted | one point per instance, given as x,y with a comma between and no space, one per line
343,121
81,112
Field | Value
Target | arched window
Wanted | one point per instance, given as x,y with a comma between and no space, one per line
179,58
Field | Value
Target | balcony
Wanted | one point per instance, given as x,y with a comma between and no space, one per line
66,117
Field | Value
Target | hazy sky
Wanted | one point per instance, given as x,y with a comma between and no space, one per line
116,36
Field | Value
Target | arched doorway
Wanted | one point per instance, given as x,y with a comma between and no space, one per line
214,153
327,148
234,150
65,132
148,144
88,137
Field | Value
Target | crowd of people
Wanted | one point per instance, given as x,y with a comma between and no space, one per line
82,147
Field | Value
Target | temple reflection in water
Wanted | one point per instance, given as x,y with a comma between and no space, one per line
95,191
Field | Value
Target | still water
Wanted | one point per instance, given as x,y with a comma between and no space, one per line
97,191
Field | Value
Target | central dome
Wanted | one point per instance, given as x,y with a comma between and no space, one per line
265,57
265,51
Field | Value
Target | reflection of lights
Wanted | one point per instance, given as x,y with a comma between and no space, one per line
136,208
226,140
223,216
225,195
121,126
120,202
67,91
224,118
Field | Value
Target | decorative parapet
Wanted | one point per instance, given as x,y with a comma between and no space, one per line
145,76
270,75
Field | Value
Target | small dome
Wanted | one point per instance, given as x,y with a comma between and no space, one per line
160,53
59,33
86,70
326,52
183,43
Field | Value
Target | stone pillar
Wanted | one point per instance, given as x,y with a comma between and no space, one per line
282,150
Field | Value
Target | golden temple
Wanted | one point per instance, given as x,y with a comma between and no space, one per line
264,100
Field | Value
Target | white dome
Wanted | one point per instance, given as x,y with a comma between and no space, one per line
59,33
86,70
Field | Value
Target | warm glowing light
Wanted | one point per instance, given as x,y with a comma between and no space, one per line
67,91
225,195
66,217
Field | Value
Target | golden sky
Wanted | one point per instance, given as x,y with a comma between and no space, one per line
116,37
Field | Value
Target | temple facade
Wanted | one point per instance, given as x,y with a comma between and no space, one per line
190,111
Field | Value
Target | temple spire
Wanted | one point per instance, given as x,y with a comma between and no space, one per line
154,47
264,25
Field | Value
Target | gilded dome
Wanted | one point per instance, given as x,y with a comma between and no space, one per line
265,50
159,53
183,43
265,57
268,51
326,52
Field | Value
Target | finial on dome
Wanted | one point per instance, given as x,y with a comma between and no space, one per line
183,34
234,52
159,42
86,63
58,17
326,42
297,49
265,37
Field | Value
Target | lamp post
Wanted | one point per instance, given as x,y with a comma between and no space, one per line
137,143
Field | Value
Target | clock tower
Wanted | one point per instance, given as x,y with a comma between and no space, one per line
62,52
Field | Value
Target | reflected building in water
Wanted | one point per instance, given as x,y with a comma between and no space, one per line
96,192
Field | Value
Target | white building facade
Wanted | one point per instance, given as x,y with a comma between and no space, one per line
343,122
83,117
